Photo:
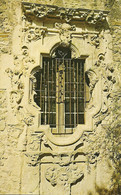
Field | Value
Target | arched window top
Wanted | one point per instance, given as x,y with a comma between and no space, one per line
62,52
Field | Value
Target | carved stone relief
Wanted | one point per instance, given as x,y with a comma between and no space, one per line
15,76
63,177
65,33
40,11
17,93
34,33
26,59
105,72
92,80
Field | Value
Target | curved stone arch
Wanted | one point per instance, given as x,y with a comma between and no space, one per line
73,48
33,70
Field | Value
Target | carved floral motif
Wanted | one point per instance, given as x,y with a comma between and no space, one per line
64,177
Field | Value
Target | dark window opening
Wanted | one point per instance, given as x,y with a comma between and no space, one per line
60,91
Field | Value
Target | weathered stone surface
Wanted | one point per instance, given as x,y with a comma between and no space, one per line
34,157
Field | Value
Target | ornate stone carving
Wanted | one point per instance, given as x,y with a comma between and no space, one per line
21,114
100,61
15,99
105,72
93,18
68,14
15,76
95,40
26,59
64,177
65,33
33,158
92,80
28,119
34,33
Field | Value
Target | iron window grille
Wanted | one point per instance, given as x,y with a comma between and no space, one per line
60,91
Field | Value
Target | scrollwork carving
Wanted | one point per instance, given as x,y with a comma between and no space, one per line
100,61
34,33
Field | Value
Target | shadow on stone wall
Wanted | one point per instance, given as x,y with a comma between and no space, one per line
116,190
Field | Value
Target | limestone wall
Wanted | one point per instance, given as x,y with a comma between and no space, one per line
32,159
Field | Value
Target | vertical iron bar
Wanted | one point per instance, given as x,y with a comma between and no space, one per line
45,94
46,105
41,91
52,92
84,89
57,94
44,91
77,91
74,76
64,95
70,93
48,96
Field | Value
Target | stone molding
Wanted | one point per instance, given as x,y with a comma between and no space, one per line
68,14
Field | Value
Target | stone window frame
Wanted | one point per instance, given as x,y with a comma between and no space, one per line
88,126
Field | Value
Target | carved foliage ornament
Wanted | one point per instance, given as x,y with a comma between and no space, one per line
34,33
64,176
40,11
106,72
